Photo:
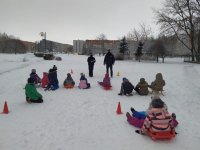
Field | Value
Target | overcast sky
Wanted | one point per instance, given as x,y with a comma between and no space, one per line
68,20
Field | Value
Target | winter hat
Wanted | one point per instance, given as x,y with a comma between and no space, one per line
30,80
33,70
157,103
69,75
159,76
125,79
142,80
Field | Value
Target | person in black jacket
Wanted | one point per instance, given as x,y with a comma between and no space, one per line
126,87
109,61
91,60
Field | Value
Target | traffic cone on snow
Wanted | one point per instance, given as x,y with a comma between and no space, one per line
5,108
71,71
119,109
118,74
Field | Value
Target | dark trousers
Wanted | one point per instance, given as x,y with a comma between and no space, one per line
111,70
91,67
39,100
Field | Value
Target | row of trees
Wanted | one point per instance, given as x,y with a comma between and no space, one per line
179,21
11,44
181,18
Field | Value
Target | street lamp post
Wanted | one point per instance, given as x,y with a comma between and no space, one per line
43,34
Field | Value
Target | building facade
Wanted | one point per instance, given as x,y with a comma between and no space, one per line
78,46
48,46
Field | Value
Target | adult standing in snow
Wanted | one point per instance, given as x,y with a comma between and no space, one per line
109,61
91,60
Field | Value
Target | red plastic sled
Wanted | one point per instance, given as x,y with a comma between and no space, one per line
107,87
69,86
161,135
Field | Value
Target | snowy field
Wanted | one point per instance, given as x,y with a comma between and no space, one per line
77,119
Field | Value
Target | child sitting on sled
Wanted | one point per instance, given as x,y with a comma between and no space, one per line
106,81
35,77
126,87
53,80
32,95
142,87
83,82
155,119
69,82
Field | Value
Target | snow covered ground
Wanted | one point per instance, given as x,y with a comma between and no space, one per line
77,119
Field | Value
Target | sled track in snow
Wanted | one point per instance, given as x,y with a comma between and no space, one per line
18,67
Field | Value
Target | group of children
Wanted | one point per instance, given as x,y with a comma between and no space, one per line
50,82
142,87
155,119
156,122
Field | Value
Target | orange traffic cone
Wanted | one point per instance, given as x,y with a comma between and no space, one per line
71,71
119,109
5,109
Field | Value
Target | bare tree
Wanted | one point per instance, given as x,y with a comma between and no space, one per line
179,18
142,34
102,38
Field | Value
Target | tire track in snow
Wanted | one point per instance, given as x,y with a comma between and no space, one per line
19,67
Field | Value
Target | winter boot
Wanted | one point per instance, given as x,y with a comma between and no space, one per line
132,109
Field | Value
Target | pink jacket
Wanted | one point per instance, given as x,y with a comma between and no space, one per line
83,84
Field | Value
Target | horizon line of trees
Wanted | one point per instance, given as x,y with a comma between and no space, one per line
11,44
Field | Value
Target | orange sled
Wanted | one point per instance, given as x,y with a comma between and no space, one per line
161,135
69,86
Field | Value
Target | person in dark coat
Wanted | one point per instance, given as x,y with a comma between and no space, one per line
126,87
36,78
109,61
53,80
91,60
142,87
